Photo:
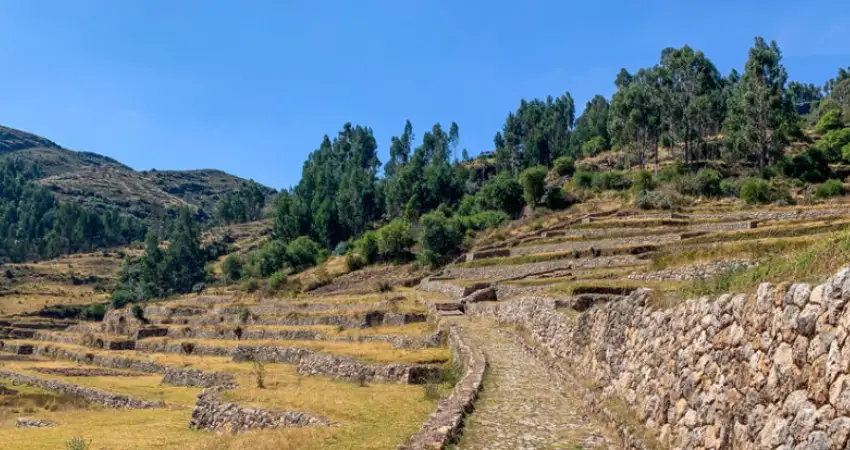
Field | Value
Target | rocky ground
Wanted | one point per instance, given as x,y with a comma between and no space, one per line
520,407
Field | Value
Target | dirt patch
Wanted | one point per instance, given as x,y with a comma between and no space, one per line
84,372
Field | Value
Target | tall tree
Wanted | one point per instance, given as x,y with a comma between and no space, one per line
593,123
761,112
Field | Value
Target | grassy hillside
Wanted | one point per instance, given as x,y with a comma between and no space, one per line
100,181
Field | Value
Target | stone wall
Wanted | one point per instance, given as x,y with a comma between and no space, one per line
444,426
347,368
107,399
212,414
760,371
173,375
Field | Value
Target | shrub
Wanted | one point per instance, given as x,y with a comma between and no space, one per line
384,287
244,315
672,172
731,187
564,166
232,268
832,143
611,180
593,147
830,121
755,191
258,369
302,253
663,198
122,297
502,193
94,312
556,198
705,183
484,220
583,179
643,181
267,259
354,261
811,166
831,188
77,443
250,285
137,311
367,246
395,240
440,237
277,281
533,182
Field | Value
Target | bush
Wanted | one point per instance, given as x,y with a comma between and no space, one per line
138,312
663,198
250,285
440,238
77,443
564,166
830,121
832,143
611,180
367,246
810,166
277,281
94,312
244,315
267,259
672,172
831,188
704,183
122,297
395,240
354,261
302,253
484,220
232,268
583,179
533,182
731,187
755,191
593,147
556,198
643,181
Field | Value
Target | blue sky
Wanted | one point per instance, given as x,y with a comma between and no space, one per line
251,86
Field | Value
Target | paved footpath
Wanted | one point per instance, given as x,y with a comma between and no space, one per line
520,409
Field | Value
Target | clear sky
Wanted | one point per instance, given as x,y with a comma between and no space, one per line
251,86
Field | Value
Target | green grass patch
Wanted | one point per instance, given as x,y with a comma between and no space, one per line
679,255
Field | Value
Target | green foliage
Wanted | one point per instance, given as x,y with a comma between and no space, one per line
564,165
77,443
643,181
594,146
810,166
832,143
484,220
94,312
502,193
250,285
242,205
672,173
611,180
761,112
662,198
440,237
367,247
122,297
354,261
583,179
267,259
536,134
34,224
277,281
395,240
302,253
831,188
755,191
245,314
292,218
137,311
830,121
706,182
341,248
232,267
555,198
533,182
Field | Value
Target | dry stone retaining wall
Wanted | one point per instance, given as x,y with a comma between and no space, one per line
444,426
761,371
211,414
92,395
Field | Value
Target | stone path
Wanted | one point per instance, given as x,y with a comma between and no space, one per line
520,408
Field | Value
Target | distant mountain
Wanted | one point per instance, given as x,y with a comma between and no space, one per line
100,181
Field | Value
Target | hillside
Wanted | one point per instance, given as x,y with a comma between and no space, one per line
101,181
